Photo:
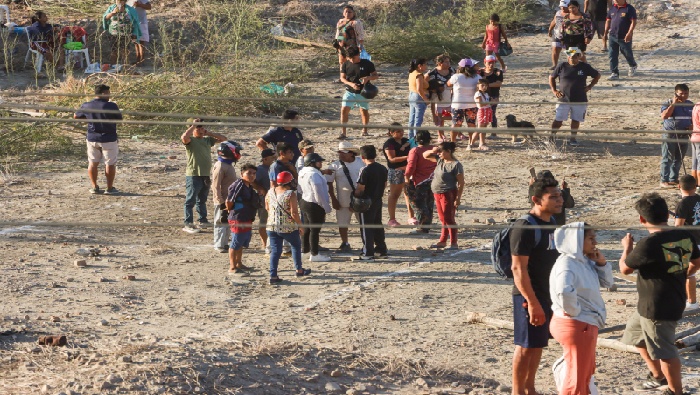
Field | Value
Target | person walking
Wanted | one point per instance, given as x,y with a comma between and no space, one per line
663,261
198,142
284,224
223,175
396,150
577,304
350,32
418,175
677,115
102,140
315,204
346,171
447,187
619,30
418,94
532,265
577,29
572,98
371,185
492,38
555,31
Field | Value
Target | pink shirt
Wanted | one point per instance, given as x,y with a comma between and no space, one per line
419,168
695,137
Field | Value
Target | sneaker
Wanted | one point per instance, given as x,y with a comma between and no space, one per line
189,228
319,258
275,280
393,222
691,306
345,247
111,191
303,272
419,231
95,190
414,221
632,71
573,142
652,383
204,224
613,77
452,247
222,250
365,258
267,250
381,254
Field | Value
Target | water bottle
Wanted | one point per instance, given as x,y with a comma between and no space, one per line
69,38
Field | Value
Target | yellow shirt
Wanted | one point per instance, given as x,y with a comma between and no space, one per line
412,83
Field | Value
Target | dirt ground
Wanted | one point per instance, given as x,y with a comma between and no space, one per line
398,326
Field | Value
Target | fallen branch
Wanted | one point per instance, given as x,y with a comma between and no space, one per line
481,318
616,345
302,42
687,332
688,341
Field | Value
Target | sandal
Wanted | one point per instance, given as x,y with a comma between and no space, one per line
303,272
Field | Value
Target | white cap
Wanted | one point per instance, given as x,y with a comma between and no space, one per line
564,3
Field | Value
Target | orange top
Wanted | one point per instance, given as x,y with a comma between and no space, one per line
413,84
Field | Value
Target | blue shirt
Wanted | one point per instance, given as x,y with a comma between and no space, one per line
242,196
280,135
621,19
100,132
276,169
41,33
262,177
682,117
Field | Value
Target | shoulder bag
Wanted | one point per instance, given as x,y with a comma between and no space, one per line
358,205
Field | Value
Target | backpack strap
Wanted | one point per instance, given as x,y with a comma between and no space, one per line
538,231
347,174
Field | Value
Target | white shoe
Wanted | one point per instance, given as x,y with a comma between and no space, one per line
632,71
190,229
319,258
267,250
691,306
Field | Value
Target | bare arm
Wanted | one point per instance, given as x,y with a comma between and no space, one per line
146,6
460,188
679,222
359,190
187,136
392,158
218,137
627,246
421,87
594,81
521,278
261,144
431,154
551,26
694,266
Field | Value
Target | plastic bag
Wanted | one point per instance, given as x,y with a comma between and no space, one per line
365,55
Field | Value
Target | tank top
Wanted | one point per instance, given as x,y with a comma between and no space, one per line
493,34
413,84
279,218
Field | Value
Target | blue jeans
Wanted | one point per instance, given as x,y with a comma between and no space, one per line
615,46
197,193
416,112
672,154
276,240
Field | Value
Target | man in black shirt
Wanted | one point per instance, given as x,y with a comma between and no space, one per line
664,260
599,14
371,184
355,73
688,214
532,263
572,95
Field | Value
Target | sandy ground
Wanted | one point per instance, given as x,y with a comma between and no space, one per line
392,327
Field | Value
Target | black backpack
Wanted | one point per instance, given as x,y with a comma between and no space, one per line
501,258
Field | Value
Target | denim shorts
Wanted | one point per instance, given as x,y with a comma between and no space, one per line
525,334
240,240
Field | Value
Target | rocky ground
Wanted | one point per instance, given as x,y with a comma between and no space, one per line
152,310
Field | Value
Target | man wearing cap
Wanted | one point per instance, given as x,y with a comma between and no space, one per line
556,31
572,97
262,185
619,28
355,73
305,147
287,133
346,171
102,142
314,203
198,142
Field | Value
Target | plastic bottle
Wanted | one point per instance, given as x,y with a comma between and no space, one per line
69,38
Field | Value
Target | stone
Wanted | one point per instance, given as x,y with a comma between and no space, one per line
80,263
104,322
421,382
130,278
621,302
333,387
491,221
352,391
55,319
336,373
126,358
45,389
82,252
503,388
417,248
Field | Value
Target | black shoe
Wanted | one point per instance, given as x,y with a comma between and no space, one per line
323,248
381,254
652,383
303,272
275,280
345,247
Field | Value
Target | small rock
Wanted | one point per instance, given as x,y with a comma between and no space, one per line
82,252
621,302
130,278
392,317
80,263
126,358
476,220
70,279
333,387
491,221
417,248
103,280
352,391
503,388
172,157
336,373
55,319
45,389
421,382
104,323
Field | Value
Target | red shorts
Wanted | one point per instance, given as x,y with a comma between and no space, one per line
484,115
240,226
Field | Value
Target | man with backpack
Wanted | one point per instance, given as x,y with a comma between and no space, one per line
533,255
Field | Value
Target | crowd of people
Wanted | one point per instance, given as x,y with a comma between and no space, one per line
557,274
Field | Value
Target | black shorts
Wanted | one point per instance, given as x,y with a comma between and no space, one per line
525,334
578,40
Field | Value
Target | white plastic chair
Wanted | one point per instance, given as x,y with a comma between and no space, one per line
70,53
33,52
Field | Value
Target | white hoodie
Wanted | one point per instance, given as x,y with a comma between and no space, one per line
575,280
314,188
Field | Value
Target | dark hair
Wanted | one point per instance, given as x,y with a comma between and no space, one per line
349,7
653,208
37,15
539,187
441,58
415,63
397,128
248,166
448,146
352,51
682,87
101,89
423,137
483,81
368,152
495,18
688,183
544,173
284,147
290,114
574,3
587,229
467,71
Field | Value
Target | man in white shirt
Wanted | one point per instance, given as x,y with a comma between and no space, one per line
315,204
348,157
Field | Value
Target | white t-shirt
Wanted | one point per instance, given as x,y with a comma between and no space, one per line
463,89
342,185
484,99
140,11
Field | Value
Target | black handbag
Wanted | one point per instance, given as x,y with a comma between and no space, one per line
358,205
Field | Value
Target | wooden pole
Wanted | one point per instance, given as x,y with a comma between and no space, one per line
616,345
302,42
688,340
